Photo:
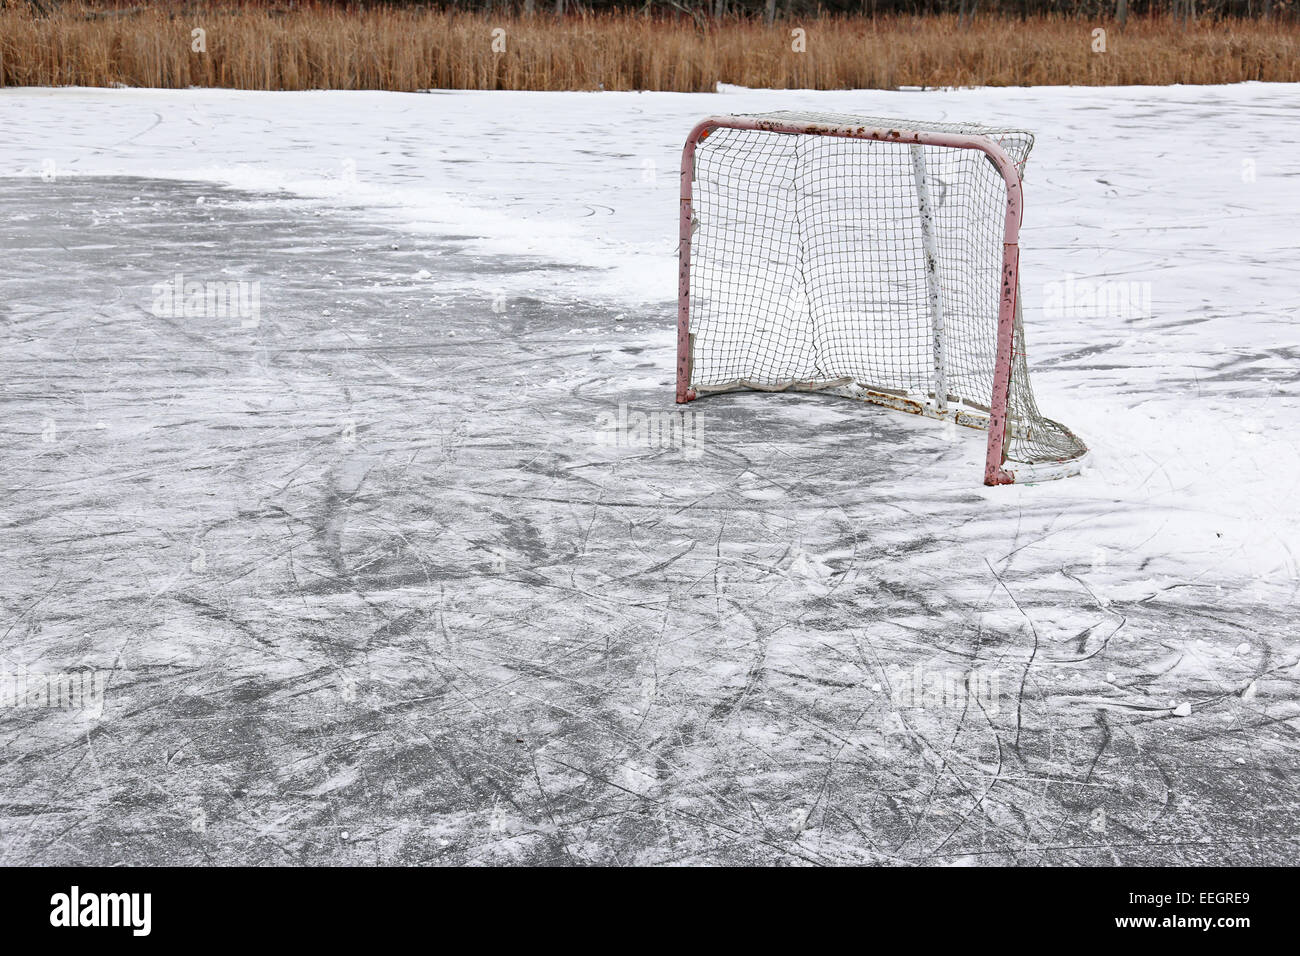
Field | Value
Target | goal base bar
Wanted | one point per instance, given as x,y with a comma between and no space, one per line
1011,472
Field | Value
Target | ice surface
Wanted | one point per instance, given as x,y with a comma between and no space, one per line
425,556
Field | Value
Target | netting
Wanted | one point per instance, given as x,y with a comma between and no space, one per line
809,271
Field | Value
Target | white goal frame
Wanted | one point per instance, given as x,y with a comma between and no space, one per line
997,470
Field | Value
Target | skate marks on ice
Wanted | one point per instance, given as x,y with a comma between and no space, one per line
401,572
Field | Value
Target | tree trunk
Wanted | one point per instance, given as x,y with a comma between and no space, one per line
769,14
1121,12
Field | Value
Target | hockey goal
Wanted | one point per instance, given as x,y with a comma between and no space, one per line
871,258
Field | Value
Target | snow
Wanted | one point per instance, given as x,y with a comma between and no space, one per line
1188,191
700,636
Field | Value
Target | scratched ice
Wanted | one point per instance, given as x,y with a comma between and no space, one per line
420,565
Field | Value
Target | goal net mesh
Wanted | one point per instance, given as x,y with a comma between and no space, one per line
808,270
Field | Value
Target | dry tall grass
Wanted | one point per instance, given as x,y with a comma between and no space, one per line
395,49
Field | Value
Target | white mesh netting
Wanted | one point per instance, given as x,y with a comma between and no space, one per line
808,269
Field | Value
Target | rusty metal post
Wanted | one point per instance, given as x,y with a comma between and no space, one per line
685,227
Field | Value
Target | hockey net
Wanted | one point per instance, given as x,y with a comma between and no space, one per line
864,267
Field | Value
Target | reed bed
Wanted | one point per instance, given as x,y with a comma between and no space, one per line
259,48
